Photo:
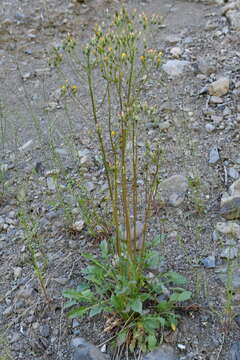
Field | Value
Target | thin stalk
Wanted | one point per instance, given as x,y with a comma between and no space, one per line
98,129
115,185
124,187
153,189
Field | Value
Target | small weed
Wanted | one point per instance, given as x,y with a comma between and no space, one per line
30,228
195,195
138,306
229,293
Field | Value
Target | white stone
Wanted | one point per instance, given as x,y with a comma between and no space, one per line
77,226
175,67
176,52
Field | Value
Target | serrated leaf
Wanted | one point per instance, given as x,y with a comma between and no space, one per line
78,312
136,305
152,342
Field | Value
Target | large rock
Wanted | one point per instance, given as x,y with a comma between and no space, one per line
86,351
164,352
234,352
219,87
229,229
172,191
175,67
233,17
230,202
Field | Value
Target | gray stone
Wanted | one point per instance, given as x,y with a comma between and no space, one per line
44,330
86,351
164,125
230,208
230,202
175,68
216,119
17,272
234,352
210,127
234,189
229,228
229,253
51,183
233,17
172,39
213,156
205,67
209,262
216,100
237,320
25,293
219,87
164,352
229,6
233,173
172,191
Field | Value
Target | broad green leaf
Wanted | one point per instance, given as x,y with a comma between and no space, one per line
95,310
176,278
145,296
186,295
153,259
69,304
162,321
164,306
151,323
152,342
117,303
136,305
85,295
78,312
82,287
174,297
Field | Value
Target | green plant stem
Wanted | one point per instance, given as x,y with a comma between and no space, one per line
98,129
